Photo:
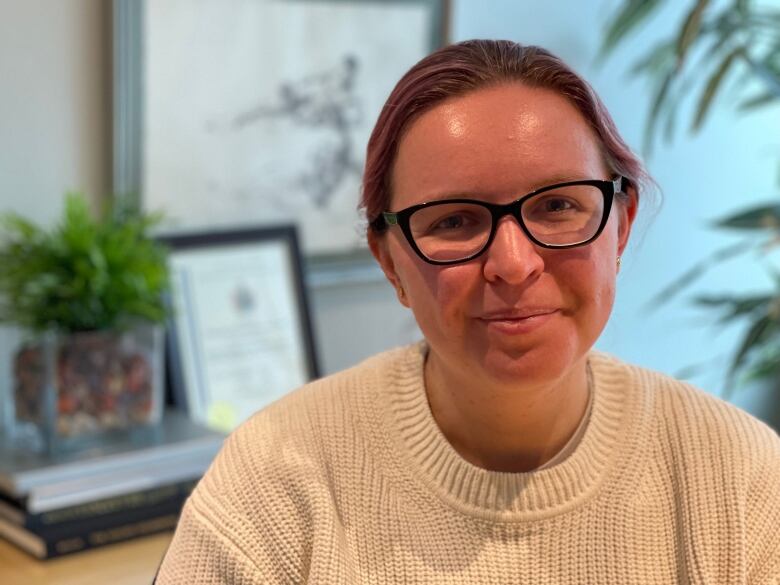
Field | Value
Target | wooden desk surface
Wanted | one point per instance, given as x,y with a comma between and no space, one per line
127,563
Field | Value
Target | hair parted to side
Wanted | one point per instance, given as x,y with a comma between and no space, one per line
465,67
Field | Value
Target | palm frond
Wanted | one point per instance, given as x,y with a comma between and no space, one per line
629,17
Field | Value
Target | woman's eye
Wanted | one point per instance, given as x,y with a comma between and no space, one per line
450,222
555,205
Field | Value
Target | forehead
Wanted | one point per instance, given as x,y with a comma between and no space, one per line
496,144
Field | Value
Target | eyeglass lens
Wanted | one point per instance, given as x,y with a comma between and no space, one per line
453,231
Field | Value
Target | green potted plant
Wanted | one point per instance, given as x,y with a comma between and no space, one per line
88,297
714,44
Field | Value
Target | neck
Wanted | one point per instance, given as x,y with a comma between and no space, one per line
506,427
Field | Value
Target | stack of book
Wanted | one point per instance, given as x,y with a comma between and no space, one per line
131,485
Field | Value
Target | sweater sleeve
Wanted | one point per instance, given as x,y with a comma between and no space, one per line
763,512
249,520
201,554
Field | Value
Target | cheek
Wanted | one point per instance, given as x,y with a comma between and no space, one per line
600,275
586,276
604,287
443,295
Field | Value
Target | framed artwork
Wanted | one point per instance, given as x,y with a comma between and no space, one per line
241,334
255,112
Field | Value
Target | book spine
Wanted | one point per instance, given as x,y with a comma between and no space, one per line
12,513
64,545
99,522
101,508
81,535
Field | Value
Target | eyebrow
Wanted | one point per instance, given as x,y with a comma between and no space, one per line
564,178
554,179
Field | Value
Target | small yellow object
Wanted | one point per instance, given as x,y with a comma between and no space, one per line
222,416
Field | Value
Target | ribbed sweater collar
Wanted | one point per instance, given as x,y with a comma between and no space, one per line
425,452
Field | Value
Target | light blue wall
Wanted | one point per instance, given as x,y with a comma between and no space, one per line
732,163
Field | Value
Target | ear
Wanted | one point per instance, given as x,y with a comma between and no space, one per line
379,246
627,208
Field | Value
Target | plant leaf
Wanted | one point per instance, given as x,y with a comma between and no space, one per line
83,274
671,121
692,274
713,84
736,307
20,227
631,15
767,365
659,58
745,304
724,27
690,29
765,70
659,99
678,93
763,217
759,329
757,101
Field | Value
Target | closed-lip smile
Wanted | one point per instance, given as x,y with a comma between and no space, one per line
514,322
517,314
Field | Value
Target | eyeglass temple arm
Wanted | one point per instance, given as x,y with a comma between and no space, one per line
385,219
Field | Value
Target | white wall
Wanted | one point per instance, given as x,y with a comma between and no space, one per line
54,71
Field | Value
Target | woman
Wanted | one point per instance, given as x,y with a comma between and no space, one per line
502,449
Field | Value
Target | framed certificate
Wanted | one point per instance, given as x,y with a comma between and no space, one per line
240,335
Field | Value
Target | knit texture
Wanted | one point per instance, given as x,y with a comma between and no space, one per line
349,480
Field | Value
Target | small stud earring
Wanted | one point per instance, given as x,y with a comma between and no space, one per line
618,261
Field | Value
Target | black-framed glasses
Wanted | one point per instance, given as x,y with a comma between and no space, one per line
450,231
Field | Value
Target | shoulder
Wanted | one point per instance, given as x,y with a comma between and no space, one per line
720,459
333,400
690,421
684,403
284,451
270,490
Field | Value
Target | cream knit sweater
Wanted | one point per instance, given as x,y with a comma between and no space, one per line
349,481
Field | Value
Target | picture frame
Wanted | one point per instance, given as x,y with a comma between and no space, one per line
240,336
269,127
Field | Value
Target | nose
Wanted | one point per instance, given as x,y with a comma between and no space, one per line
512,257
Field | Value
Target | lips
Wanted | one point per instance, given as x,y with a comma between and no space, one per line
517,314
518,321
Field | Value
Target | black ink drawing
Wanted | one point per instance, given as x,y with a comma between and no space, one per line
324,100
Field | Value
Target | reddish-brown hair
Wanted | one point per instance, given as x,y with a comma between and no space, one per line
465,67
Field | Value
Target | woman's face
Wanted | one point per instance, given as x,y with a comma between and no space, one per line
518,311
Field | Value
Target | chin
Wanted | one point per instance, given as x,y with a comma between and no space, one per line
534,365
